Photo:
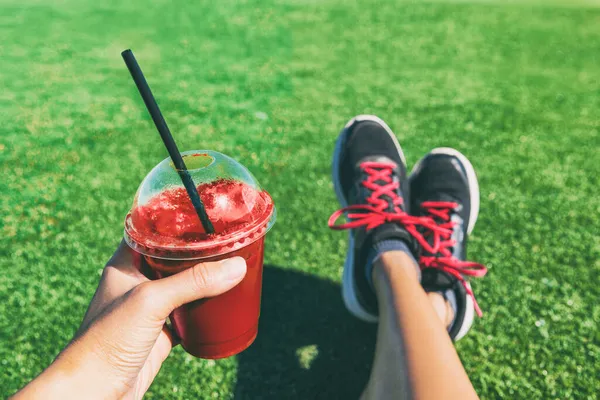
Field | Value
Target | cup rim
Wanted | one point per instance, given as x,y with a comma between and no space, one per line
201,250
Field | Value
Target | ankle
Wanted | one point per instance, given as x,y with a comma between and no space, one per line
395,262
381,247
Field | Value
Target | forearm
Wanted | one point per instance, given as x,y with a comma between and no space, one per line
408,319
72,378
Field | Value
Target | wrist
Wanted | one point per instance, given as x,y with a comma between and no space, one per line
67,378
81,369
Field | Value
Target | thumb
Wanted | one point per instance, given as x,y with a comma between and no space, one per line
202,280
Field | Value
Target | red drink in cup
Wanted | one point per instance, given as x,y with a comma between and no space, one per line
164,227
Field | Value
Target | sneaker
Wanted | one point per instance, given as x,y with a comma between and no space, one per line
444,188
369,175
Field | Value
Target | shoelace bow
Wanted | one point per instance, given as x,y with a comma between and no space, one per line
443,259
374,214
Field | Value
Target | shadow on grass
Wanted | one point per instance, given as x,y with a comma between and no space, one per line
308,345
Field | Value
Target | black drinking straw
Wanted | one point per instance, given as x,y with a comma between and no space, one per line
167,138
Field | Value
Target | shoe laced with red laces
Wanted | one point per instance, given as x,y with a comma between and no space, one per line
440,256
437,250
379,182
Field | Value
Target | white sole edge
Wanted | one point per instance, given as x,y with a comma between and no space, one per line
348,290
467,321
474,196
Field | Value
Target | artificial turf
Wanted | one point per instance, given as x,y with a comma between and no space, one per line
515,87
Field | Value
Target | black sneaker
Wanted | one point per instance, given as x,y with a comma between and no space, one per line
369,175
444,187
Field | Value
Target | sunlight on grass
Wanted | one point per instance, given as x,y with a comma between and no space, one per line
271,83
306,355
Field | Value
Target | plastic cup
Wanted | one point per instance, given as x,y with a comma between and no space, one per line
163,226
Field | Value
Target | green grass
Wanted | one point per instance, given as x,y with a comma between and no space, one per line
515,87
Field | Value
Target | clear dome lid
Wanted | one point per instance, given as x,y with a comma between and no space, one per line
163,223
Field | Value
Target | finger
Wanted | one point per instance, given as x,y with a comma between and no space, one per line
202,280
126,260
159,353
120,275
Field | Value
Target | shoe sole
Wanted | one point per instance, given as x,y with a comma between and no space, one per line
474,197
348,288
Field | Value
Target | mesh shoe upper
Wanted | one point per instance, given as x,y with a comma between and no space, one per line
372,178
442,178
366,141
440,190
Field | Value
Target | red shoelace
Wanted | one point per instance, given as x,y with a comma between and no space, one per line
374,214
443,259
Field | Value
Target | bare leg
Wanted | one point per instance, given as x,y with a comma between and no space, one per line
412,343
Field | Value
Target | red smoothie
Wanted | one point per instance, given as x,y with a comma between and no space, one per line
166,229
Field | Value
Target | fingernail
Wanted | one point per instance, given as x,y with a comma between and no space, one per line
233,268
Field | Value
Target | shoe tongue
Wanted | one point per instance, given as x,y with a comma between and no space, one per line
444,197
377,159
441,197
395,177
